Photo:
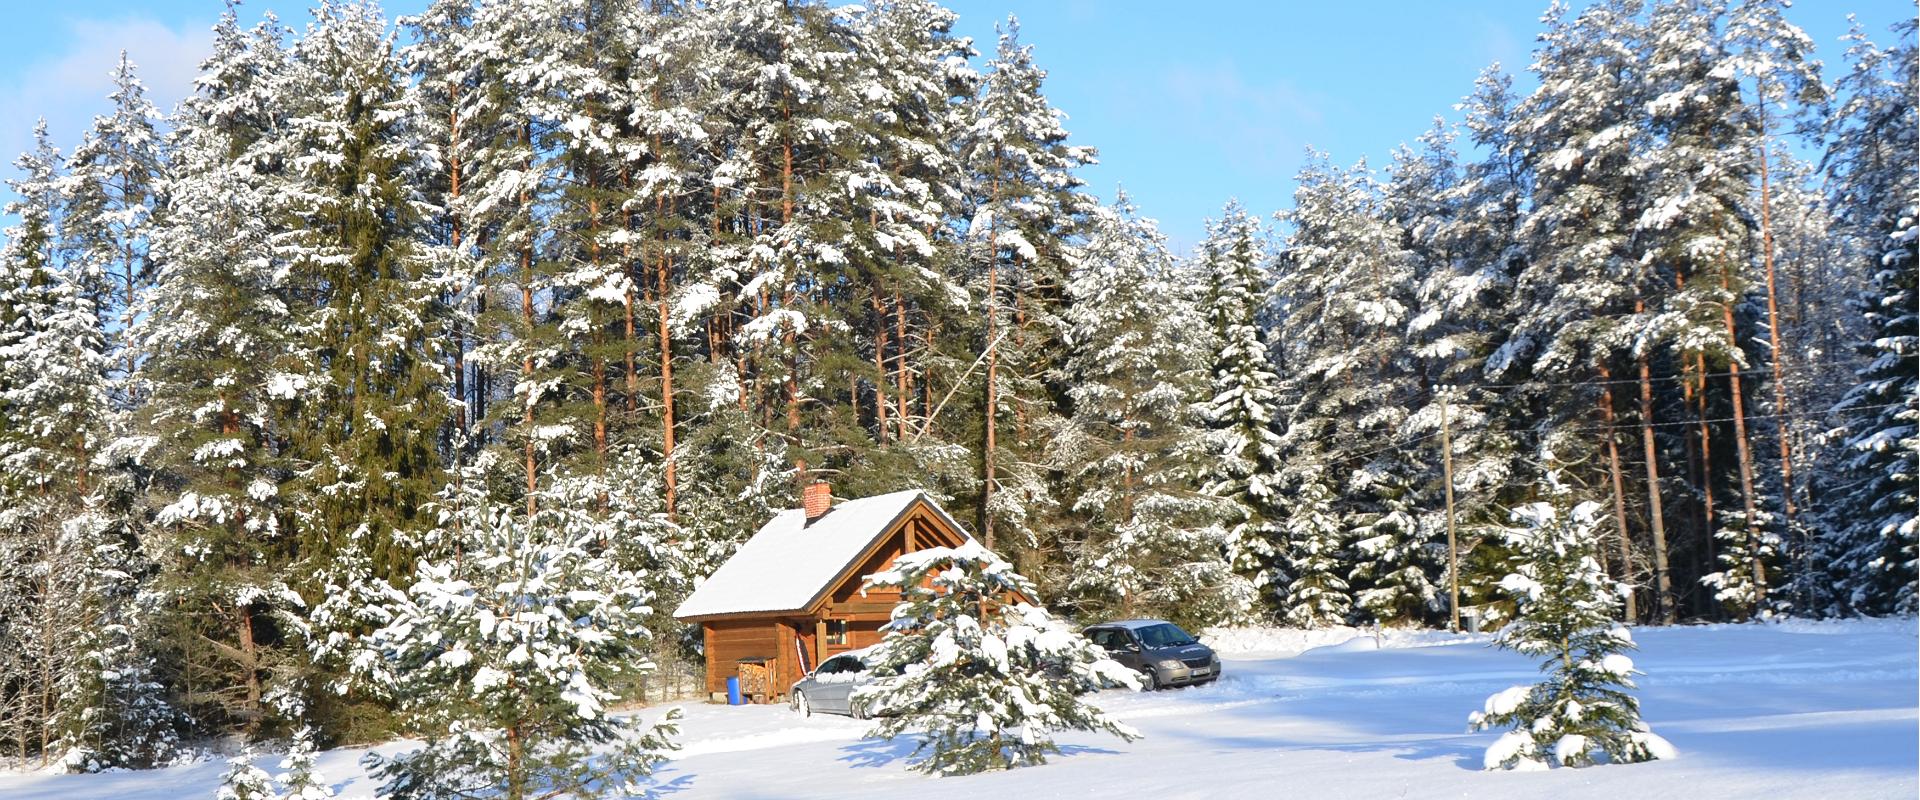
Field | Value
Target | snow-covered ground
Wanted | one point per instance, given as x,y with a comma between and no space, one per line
1794,710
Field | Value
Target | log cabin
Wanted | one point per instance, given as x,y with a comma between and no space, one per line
790,597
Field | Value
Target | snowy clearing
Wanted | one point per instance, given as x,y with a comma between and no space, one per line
1796,710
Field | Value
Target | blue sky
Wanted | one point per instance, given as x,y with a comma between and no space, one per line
1190,104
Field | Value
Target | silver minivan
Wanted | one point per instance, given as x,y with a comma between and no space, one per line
1159,650
829,689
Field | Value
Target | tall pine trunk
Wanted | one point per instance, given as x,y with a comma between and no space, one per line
1773,335
662,288
1619,490
1740,448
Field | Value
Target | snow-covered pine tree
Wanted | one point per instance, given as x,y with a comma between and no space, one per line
1246,463
302,779
504,653
982,675
1576,290
115,175
1820,282
661,175
1870,166
908,91
1316,594
1149,540
1464,313
1024,202
244,781
449,88
1583,713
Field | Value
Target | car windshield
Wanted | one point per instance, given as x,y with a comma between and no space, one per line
1165,634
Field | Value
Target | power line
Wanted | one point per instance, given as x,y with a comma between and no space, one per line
1404,443
1798,367
1749,417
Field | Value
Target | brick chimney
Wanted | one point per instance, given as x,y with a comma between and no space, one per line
816,499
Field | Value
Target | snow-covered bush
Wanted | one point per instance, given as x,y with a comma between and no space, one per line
983,674
1581,714
503,656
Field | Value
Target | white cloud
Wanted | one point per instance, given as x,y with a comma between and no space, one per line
72,86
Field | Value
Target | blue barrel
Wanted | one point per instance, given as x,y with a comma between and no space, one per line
733,691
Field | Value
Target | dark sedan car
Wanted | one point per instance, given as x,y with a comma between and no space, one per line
1160,650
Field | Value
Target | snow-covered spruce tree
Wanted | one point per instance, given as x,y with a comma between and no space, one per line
971,666
1582,714
39,566
1246,463
302,780
113,710
1877,204
366,318
1345,296
53,357
503,652
1148,539
244,781
1316,594
217,379
94,683
1394,555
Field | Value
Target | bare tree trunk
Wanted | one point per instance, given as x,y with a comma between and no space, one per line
664,288
902,379
1662,582
1773,335
1619,489
459,335
251,666
879,366
1740,447
991,408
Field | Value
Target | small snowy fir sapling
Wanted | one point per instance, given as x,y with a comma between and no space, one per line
1581,714
302,780
505,656
980,671
244,781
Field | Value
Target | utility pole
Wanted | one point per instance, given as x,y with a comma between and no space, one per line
1453,547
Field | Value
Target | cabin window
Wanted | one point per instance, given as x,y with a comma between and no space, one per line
836,631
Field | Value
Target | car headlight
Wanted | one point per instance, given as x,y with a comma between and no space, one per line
1172,663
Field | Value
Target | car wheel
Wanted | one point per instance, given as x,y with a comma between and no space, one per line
857,709
1153,680
800,704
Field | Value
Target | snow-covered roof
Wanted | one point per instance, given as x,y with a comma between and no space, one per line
788,563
